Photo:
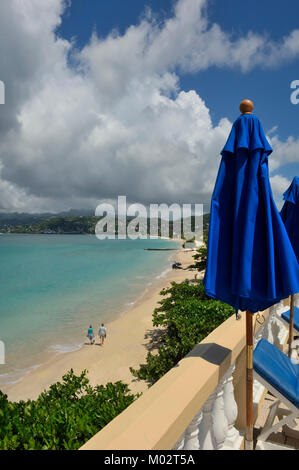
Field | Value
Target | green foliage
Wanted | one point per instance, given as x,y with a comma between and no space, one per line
200,259
64,417
187,316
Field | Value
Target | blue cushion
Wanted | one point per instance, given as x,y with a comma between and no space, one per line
277,369
286,317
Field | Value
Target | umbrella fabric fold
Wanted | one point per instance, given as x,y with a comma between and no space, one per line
290,214
251,263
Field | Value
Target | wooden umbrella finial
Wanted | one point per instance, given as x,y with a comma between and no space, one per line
246,107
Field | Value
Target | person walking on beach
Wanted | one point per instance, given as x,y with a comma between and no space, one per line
102,333
90,335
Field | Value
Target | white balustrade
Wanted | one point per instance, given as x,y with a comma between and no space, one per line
213,428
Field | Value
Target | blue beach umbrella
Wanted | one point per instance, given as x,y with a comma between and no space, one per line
250,262
290,214
290,217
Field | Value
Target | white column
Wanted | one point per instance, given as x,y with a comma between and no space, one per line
233,439
180,443
191,440
206,435
220,423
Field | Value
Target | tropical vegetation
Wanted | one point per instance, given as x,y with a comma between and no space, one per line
64,417
186,316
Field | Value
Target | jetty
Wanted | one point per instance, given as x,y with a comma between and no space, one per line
160,249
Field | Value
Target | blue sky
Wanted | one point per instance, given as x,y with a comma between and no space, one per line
220,88
136,98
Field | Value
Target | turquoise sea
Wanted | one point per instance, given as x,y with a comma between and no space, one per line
54,286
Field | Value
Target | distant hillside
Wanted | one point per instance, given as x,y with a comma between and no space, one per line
70,224
9,220
57,225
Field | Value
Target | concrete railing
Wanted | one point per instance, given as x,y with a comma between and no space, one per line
200,403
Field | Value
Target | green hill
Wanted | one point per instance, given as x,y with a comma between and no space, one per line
84,224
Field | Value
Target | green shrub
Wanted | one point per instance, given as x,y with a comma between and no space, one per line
64,417
200,259
188,316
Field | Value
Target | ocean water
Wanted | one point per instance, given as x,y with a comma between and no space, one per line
54,286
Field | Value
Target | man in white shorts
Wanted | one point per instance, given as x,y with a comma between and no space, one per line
102,333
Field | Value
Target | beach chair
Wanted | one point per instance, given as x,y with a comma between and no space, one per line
285,316
280,376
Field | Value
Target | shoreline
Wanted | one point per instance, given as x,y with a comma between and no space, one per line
127,343
52,343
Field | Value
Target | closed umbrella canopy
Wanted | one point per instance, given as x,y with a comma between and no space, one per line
290,217
290,214
251,263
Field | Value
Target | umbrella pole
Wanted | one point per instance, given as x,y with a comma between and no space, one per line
249,382
291,329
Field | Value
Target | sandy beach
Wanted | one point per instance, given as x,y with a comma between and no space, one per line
127,344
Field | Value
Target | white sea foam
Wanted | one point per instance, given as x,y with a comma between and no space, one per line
163,274
63,348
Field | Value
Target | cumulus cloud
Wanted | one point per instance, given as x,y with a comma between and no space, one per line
286,152
279,185
116,122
